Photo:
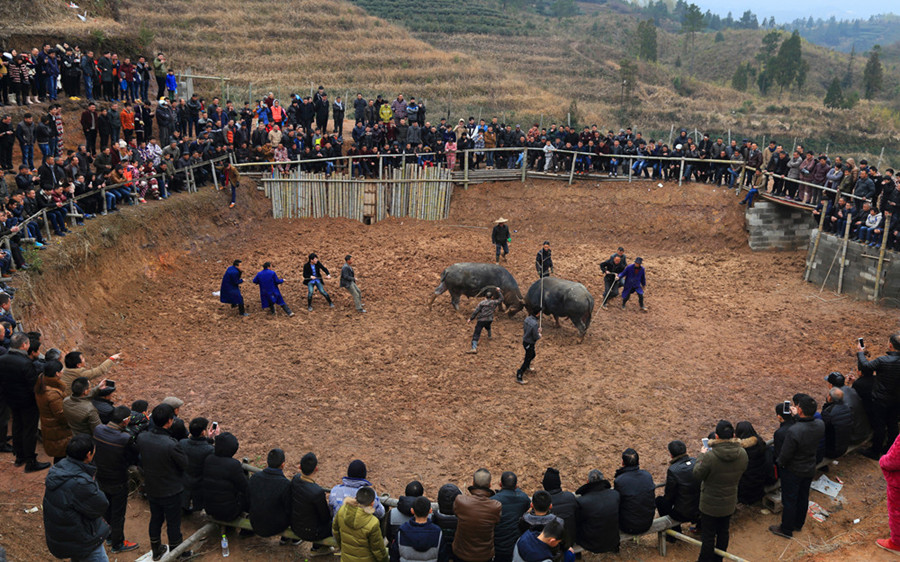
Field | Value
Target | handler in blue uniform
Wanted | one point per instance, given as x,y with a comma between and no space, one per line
230,293
269,294
633,281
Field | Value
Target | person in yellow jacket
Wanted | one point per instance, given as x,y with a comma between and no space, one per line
357,531
385,113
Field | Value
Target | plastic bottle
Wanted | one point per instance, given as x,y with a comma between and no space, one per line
225,551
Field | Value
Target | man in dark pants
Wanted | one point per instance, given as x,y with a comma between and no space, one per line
719,468
18,376
681,499
163,464
310,514
500,238
611,269
797,465
114,452
484,313
543,262
532,333
885,396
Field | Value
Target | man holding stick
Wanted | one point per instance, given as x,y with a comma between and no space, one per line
611,269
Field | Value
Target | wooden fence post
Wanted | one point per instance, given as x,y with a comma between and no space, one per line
815,249
46,224
681,173
103,196
212,169
466,169
572,170
844,255
884,238
524,163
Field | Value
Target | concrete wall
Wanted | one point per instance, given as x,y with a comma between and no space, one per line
860,268
777,227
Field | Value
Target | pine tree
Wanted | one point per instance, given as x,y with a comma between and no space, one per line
739,81
647,47
847,81
785,65
873,74
834,97
691,23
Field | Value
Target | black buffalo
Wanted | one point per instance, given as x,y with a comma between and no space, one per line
562,298
477,279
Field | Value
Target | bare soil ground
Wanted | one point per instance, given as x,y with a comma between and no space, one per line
730,333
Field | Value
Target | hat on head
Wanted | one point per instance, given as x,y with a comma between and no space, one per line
834,378
122,144
724,429
638,260
501,219
357,469
173,402
551,479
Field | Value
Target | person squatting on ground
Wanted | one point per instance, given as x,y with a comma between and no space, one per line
500,238
484,316
634,280
269,294
531,334
230,292
348,281
312,278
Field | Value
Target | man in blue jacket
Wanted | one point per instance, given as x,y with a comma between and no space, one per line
230,293
634,280
540,547
74,505
269,294
418,540
515,504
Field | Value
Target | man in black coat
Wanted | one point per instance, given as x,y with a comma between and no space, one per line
786,420
852,399
838,426
114,452
515,504
270,498
500,239
564,504
310,514
18,376
74,505
224,483
164,465
885,396
637,503
195,448
611,269
681,499
598,515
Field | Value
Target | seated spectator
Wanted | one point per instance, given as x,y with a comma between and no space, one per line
751,487
50,392
310,515
356,529
355,479
539,515
403,512
224,483
681,498
477,514
78,408
270,498
637,502
564,503
76,367
598,515
74,505
418,540
515,504
195,448
540,546
838,426
115,452
861,429
178,430
445,518
103,404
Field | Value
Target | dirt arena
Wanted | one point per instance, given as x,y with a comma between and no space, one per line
729,334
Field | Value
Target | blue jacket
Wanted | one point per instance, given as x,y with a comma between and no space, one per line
268,282
417,542
531,549
348,488
230,292
171,82
633,278
73,510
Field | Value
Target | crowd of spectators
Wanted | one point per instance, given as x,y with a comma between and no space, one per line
101,450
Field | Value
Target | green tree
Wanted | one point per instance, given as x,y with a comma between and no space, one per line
691,23
786,64
802,74
847,81
834,97
740,79
563,9
764,81
873,74
850,100
647,47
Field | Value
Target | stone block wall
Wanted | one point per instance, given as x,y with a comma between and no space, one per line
860,269
778,227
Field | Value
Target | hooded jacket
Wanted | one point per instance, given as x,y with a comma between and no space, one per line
270,502
73,510
719,470
637,503
564,504
477,515
446,519
358,533
751,487
531,549
224,484
348,488
417,542
598,517
195,450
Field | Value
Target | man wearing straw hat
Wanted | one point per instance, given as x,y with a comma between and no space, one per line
500,238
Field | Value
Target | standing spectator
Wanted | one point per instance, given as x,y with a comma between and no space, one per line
681,498
598,515
115,452
195,448
74,506
477,514
313,277
359,109
49,392
26,134
636,492
269,495
76,367
357,531
90,125
18,376
563,502
785,421
759,473
114,118
89,73
890,467
160,70
78,408
7,140
885,396
310,516
515,504
500,237
719,468
350,484
163,464
337,113
142,78
348,281
398,109
797,466
106,67
418,540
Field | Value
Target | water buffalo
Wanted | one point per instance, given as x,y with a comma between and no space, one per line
562,298
476,279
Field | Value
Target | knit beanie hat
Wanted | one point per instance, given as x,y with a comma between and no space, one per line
551,479
357,469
